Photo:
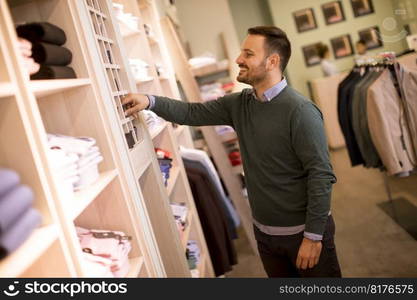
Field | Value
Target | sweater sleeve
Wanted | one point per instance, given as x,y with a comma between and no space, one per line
310,144
216,112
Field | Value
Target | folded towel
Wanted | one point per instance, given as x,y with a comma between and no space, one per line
54,72
8,180
13,205
42,32
49,54
19,232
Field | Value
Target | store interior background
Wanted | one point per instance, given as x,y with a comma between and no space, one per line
369,242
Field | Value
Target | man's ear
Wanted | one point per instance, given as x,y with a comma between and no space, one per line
274,61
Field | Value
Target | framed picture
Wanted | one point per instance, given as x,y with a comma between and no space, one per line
362,7
305,20
342,46
371,37
311,54
333,12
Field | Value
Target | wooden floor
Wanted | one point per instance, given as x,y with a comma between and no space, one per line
369,242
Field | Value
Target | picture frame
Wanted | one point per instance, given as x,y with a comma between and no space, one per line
371,37
305,20
333,12
311,54
362,7
342,46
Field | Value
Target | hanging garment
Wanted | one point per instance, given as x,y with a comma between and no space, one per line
19,231
42,32
13,205
213,222
49,54
199,166
360,121
387,126
345,95
201,156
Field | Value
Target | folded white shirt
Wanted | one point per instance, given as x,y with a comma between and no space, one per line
77,145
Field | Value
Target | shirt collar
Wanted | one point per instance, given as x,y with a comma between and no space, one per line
274,91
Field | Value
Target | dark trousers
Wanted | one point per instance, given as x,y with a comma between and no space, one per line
279,254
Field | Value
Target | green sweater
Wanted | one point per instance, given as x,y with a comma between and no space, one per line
284,151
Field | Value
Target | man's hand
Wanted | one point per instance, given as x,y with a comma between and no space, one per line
308,254
136,103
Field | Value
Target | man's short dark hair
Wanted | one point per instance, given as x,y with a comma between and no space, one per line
276,41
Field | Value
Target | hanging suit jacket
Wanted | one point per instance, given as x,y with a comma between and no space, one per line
219,243
387,124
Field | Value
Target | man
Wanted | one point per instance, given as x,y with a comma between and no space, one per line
361,47
285,157
327,66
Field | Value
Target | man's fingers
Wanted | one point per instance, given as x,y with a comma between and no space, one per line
298,262
312,262
304,263
128,99
131,111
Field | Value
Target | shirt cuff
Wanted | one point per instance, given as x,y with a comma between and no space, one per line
151,101
313,236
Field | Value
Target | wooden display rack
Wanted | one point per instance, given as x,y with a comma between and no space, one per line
129,195
131,43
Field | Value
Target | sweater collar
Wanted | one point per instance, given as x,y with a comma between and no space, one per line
272,92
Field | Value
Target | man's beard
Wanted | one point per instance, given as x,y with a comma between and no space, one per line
258,75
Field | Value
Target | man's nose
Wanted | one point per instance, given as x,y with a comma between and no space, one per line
239,60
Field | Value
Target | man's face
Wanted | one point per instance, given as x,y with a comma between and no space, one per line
252,60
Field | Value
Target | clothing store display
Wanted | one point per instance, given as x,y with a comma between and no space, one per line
54,72
193,254
213,222
376,113
75,160
19,231
8,180
298,125
42,32
165,165
113,245
50,54
204,159
152,120
13,205
221,200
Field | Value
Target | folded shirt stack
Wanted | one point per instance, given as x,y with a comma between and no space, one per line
180,212
128,19
75,160
140,69
165,163
25,48
106,251
47,50
193,254
152,120
17,216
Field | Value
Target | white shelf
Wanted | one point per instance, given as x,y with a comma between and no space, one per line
127,31
104,39
136,265
42,88
186,234
7,89
157,131
112,66
127,120
84,197
140,159
152,40
179,130
21,259
144,80
120,93
174,175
